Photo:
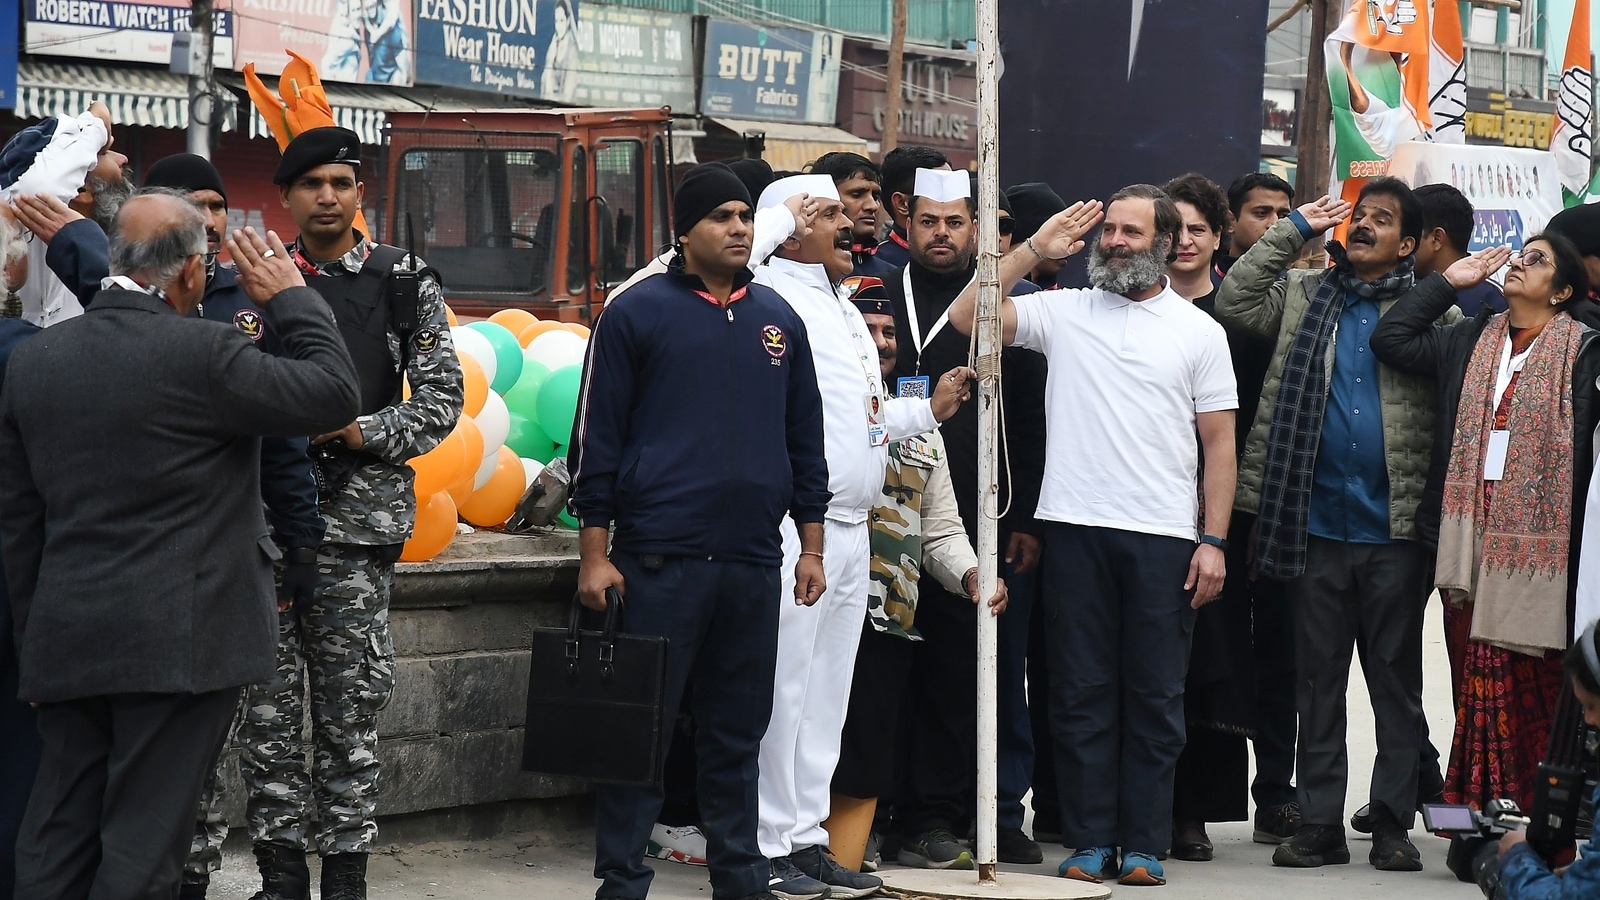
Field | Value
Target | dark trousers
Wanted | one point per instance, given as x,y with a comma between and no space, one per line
112,811
940,788
1046,796
721,623
1430,777
867,759
1272,634
1119,628
1210,782
19,760
679,805
1366,590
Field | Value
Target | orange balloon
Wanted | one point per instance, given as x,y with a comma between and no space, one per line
526,335
494,503
450,316
514,319
439,466
475,386
472,441
579,330
435,528
461,490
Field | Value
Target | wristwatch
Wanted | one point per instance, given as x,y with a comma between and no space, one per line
1213,540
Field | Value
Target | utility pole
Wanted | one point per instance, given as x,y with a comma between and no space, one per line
1316,110
897,65
202,80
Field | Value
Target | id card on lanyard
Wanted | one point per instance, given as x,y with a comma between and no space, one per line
1494,456
866,353
917,340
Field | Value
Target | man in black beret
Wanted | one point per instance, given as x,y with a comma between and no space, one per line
391,314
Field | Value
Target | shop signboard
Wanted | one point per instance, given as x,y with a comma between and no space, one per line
366,41
526,48
770,74
635,58
137,32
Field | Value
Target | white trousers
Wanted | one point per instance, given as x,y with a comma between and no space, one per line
816,659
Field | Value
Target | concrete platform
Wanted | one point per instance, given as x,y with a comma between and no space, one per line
926,884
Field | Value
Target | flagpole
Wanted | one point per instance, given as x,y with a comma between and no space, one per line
988,429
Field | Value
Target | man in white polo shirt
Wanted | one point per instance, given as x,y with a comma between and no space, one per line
1136,372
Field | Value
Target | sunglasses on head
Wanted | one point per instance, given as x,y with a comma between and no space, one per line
1007,224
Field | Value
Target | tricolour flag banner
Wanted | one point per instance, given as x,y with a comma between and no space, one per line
1569,139
1447,75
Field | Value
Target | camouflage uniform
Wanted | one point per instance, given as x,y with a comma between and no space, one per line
340,641
916,527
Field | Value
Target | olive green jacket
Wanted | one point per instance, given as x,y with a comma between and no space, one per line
1261,296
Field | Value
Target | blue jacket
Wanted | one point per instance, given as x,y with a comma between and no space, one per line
699,427
1524,876
79,256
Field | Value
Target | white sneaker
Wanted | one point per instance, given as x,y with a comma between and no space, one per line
683,844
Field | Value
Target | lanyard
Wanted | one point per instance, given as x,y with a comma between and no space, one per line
917,340
866,351
1508,366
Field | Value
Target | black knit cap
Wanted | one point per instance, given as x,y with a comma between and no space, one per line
1580,225
1032,205
318,147
755,173
185,172
704,188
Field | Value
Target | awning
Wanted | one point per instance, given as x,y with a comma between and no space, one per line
136,96
791,147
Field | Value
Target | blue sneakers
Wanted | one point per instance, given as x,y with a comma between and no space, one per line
1094,864
1141,869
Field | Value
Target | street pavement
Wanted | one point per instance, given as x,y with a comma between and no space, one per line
558,866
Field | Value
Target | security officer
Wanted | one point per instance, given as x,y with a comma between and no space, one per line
390,310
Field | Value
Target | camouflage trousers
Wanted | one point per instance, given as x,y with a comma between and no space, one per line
336,651
211,826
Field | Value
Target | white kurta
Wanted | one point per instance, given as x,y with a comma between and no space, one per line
817,645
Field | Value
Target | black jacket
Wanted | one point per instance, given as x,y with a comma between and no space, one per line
79,256
1023,372
1410,339
130,500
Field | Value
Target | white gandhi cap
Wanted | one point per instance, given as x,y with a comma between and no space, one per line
942,186
818,186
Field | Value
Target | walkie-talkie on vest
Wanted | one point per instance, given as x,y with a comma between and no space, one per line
405,290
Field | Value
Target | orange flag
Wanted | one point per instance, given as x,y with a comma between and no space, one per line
1399,26
1570,139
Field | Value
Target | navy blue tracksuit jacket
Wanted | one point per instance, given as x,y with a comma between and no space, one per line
78,255
699,427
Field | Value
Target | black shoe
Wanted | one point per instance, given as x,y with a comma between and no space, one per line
1012,846
1313,846
937,849
841,882
1276,824
1361,821
344,876
1190,842
193,887
1392,850
284,874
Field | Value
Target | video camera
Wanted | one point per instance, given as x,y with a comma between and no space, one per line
1475,838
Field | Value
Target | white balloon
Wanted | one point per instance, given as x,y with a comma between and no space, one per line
494,420
530,470
555,349
485,471
475,345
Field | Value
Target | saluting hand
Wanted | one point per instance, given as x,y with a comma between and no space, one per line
43,214
1062,234
1324,213
1471,270
804,209
265,269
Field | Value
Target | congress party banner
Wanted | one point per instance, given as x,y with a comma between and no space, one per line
528,48
635,57
770,74
138,32
1514,191
359,41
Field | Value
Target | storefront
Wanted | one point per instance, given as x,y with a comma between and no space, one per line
939,99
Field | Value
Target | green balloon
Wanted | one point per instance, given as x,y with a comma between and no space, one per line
523,398
528,440
558,403
507,354
566,519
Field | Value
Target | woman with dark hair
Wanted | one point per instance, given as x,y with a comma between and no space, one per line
1523,874
1513,429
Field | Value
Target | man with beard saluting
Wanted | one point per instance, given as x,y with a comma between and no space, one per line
1136,373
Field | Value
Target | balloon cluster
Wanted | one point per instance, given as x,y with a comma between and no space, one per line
521,376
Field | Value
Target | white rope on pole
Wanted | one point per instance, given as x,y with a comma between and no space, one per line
988,366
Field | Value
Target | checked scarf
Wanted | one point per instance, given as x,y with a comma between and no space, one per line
1297,415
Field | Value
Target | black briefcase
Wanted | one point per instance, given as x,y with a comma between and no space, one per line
595,702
